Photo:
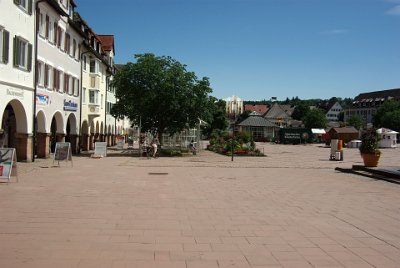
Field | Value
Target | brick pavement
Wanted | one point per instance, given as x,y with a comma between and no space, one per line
289,209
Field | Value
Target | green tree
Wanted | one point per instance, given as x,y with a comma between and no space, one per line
161,93
386,107
218,119
356,121
300,111
391,120
315,118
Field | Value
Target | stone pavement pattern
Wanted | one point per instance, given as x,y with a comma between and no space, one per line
289,209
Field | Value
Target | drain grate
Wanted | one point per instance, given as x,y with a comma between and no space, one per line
158,173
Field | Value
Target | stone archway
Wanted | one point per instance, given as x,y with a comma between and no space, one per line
15,131
85,136
56,130
71,133
42,137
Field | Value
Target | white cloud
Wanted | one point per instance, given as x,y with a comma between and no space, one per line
394,11
335,31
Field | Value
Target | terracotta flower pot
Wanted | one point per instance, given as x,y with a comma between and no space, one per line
371,160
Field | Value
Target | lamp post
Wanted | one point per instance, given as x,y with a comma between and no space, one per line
233,133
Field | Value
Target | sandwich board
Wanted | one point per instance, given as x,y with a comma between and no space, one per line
8,163
100,149
63,152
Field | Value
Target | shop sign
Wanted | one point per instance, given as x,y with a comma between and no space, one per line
19,93
42,99
69,105
63,152
8,162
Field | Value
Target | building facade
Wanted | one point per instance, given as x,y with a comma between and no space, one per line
333,112
58,75
95,68
17,77
366,104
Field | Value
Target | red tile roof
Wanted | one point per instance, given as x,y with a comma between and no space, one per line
261,109
107,42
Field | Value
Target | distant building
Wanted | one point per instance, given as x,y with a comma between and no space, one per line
259,108
332,109
366,104
234,106
280,115
261,129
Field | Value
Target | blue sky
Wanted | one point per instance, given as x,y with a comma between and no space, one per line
257,49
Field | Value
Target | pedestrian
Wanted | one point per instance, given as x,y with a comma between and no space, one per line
154,143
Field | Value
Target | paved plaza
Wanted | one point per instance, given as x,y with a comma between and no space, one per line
288,209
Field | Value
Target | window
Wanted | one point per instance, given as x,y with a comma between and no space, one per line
84,63
40,73
84,95
22,54
58,81
66,83
94,66
47,30
76,87
48,81
93,97
25,5
61,82
74,48
51,32
4,41
42,24
67,45
101,103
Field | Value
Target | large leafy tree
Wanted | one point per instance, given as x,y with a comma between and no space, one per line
315,118
300,111
386,115
356,121
161,94
218,119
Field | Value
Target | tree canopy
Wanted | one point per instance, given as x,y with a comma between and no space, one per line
218,119
387,115
300,111
356,121
159,92
315,118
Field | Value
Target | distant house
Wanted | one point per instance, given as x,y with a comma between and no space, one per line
260,128
280,115
259,108
366,104
332,109
388,138
345,134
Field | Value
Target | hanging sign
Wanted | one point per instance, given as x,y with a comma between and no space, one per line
69,105
8,163
63,152
100,149
42,99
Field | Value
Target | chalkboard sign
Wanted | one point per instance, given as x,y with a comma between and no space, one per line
120,141
62,152
100,148
8,161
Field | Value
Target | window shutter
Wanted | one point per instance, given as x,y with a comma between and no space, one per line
6,40
55,33
47,26
55,74
66,83
16,49
46,76
29,57
30,7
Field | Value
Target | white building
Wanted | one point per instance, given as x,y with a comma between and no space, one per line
388,138
334,112
95,69
58,76
234,106
17,76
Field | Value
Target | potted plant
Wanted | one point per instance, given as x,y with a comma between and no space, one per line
369,147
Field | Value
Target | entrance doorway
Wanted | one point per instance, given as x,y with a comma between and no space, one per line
9,125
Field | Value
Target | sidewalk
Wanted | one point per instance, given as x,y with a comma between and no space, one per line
288,209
